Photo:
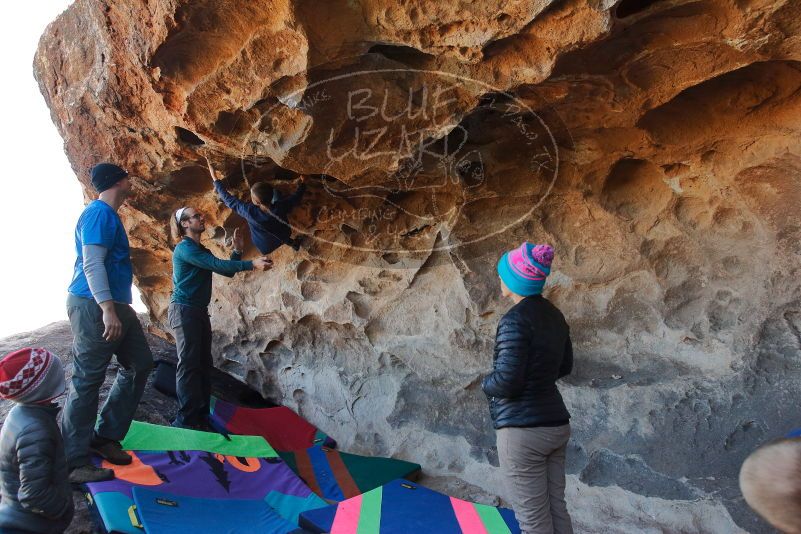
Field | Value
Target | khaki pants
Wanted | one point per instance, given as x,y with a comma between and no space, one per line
533,465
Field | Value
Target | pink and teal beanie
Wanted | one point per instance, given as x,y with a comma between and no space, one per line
525,268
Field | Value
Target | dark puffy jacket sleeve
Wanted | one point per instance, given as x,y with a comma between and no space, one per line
246,210
36,450
508,377
567,359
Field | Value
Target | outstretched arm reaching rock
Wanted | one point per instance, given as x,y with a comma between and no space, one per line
245,210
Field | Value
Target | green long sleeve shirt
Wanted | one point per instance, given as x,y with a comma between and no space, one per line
192,265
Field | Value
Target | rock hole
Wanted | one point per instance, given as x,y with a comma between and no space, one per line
188,137
304,269
400,53
390,275
232,123
192,180
742,100
635,188
360,304
414,232
270,346
675,169
218,233
348,230
311,291
692,211
627,8
391,258
281,173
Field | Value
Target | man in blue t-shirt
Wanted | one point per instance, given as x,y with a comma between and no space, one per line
103,324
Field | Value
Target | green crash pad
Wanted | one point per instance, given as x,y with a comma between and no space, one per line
148,437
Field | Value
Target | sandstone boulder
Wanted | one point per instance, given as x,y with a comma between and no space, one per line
654,143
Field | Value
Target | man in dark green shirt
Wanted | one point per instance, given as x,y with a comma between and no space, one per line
192,267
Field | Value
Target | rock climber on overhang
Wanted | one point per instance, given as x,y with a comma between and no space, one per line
266,213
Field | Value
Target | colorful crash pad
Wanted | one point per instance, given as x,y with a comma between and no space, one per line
199,474
401,507
281,427
177,514
337,476
147,437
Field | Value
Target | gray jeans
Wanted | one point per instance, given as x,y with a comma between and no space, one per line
533,464
92,354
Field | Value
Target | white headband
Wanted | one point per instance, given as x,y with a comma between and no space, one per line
179,214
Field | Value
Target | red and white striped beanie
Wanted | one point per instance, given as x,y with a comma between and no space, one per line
31,376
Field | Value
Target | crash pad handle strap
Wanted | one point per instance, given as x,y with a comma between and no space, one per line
134,518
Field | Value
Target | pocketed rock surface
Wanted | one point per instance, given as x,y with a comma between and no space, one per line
655,144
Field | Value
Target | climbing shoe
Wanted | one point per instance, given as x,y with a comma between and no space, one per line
109,450
90,473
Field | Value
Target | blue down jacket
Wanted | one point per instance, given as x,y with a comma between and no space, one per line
532,351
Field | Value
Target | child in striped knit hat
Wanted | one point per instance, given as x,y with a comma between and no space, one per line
35,495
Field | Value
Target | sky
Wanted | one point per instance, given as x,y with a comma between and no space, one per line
41,198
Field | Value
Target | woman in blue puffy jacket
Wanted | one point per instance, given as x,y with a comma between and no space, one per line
532,351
